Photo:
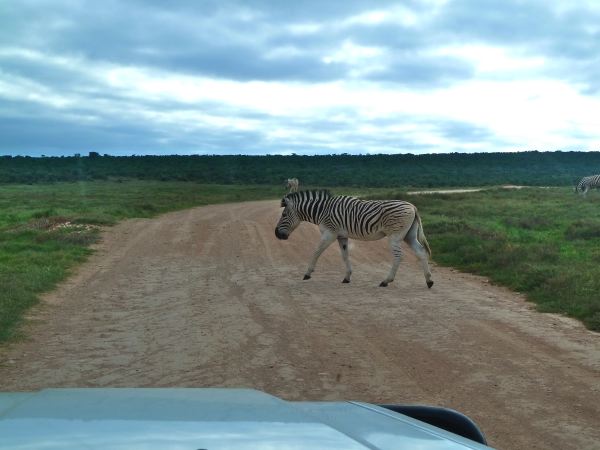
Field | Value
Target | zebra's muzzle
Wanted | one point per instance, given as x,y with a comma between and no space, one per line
280,235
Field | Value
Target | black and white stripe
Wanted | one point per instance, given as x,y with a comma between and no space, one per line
343,218
587,183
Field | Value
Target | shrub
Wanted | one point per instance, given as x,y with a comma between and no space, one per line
583,229
528,223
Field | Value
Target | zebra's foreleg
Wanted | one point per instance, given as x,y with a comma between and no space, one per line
396,247
344,249
327,238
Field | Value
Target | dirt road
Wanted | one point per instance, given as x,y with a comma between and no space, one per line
209,297
466,190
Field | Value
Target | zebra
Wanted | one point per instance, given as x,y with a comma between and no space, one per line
587,183
292,185
342,217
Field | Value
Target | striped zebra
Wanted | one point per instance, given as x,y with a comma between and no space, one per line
587,183
292,185
341,218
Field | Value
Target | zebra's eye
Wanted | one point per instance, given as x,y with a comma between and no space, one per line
282,203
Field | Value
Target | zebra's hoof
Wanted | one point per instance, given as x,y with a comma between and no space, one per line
383,284
429,284
345,280
306,277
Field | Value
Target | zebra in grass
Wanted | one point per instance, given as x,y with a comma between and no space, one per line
341,218
587,183
292,185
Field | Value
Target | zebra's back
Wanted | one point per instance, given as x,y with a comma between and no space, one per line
592,180
367,219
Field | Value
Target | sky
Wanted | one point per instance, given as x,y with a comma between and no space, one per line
305,77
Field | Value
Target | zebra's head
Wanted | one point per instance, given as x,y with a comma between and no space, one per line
289,219
299,206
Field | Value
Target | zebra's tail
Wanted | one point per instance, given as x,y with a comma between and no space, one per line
421,234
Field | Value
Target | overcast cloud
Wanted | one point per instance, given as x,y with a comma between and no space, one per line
226,77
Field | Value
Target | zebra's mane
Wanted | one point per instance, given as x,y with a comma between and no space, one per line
310,194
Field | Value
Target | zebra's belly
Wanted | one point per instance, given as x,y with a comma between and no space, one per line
365,237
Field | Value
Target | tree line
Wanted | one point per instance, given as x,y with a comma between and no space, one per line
430,170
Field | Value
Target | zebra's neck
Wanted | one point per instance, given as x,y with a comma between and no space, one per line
311,210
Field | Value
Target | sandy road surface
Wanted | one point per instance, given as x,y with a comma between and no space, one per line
466,190
209,297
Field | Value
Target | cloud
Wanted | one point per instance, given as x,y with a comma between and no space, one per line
271,76
566,35
212,39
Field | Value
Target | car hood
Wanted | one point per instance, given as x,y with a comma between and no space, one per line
211,419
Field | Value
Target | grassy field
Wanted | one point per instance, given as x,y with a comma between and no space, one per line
541,242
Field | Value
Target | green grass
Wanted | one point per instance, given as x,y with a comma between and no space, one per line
541,242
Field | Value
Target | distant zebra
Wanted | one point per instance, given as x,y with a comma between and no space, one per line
292,184
342,217
587,183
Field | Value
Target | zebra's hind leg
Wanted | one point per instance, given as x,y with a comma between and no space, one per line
396,247
423,257
327,238
412,239
344,249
